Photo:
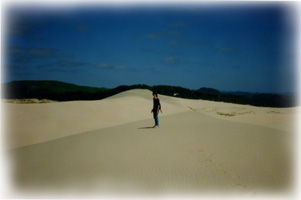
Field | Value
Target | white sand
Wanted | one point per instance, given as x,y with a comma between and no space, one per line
108,147
35,123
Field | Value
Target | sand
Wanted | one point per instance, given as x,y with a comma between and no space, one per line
108,147
35,123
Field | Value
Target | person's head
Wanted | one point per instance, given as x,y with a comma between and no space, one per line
155,94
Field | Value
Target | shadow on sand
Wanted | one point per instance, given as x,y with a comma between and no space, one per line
149,127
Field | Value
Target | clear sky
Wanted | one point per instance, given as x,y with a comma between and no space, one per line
228,47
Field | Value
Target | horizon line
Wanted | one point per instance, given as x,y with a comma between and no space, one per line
223,91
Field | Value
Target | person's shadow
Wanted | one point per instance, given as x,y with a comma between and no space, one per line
148,127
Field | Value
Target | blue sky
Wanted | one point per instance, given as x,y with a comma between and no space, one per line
228,47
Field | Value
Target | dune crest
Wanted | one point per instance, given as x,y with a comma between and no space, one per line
28,124
35,123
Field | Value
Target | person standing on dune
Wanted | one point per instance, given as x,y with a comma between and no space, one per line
156,108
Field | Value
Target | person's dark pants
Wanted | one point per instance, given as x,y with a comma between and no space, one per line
156,119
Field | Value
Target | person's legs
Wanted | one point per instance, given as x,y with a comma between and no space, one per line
156,119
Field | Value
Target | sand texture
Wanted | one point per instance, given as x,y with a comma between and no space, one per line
108,147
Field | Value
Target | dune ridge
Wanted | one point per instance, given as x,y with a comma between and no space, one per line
36,123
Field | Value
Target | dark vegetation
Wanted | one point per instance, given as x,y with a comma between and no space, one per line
61,91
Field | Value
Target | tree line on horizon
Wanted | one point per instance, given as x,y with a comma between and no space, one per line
60,91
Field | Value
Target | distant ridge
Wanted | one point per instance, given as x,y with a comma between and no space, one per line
54,90
61,91
208,90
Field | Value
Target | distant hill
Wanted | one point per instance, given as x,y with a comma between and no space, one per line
61,91
54,90
208,90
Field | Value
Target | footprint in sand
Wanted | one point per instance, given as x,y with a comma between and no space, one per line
206,161
206,156
203,148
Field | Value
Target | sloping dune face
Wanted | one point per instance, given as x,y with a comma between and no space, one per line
35,123
109,147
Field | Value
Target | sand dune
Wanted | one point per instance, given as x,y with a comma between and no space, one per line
108,147
35,123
